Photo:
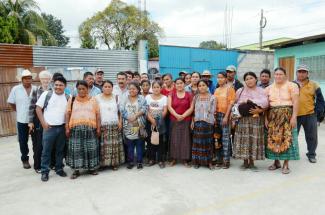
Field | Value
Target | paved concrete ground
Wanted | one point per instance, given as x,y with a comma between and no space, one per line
173,190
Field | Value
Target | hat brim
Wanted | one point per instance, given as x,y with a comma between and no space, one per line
20,77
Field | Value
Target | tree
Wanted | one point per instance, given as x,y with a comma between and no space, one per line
8,30
88,41
119,26
30,23
55,27
211,44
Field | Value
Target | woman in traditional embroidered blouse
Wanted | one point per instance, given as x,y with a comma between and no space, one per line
249,134
133,109
281,121
203,126
83,130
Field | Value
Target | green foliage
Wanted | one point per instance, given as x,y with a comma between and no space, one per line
120,26
55,28
8,30
211,44
28,23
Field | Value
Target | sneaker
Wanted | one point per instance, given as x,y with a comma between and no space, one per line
130,166
61,173
140,166
38,171
312,160
26,165
45,177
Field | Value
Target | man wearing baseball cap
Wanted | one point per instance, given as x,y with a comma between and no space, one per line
19,100
231,74
182,74
99,78
309,112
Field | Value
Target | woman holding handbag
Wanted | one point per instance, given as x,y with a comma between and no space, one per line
157,111
133,110
181,107
202,125
225,96
249,144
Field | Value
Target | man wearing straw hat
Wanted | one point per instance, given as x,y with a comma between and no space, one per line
19,99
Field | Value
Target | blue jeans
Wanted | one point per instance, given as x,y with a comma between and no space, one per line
23,134
53,136
138,144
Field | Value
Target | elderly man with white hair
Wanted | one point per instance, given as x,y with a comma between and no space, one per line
35,127
19,100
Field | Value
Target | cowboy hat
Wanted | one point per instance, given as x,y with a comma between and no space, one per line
25,73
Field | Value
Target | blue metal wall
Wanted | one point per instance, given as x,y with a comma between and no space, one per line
173,59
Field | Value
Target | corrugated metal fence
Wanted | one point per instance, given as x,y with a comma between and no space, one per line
111,61
72,63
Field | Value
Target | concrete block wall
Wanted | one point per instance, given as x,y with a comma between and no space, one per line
254,61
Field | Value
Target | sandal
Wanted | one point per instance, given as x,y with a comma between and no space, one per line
172,163
286,170
75,174
274,167
226,165
244,166
186,164
219,165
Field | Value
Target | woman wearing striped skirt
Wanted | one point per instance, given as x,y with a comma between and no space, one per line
203,127
249,142
225,96
281,121
111,144
180,106
83,129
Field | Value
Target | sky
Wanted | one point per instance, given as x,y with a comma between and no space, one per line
188,22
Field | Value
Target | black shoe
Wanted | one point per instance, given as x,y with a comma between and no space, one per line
130,166
312,160
26,165
140,166
45,177
52,167
38,171
61,173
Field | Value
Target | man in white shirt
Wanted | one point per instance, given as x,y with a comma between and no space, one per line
19,100
121,90
51,108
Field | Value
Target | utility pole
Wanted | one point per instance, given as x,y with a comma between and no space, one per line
262,25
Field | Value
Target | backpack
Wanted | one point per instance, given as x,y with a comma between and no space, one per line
49,95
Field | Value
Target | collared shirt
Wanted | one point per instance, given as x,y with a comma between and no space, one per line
19,97
94,91
307,97
263,85
121,94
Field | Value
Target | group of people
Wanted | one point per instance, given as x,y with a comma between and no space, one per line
190,120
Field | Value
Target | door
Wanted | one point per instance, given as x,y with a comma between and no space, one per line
288,63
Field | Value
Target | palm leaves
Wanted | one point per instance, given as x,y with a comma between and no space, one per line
30,23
